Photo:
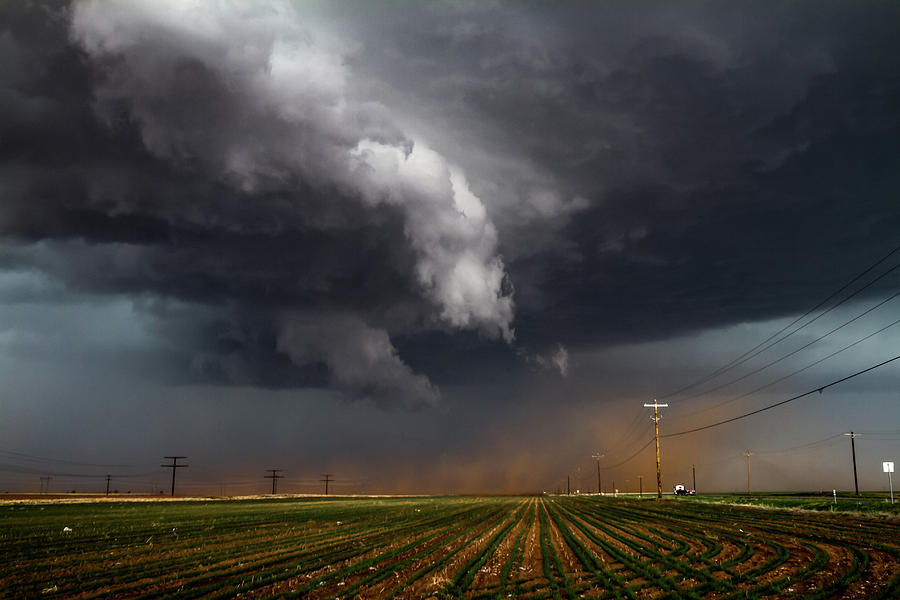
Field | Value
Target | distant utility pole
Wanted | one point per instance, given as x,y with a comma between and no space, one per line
108,477
853,451
174,466
45,484
274,477
641,489
656,406
568,485
597,457
888,467
694,476
749,454
326,477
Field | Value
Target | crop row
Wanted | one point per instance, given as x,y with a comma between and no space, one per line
556,547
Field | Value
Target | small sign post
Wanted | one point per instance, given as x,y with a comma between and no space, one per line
889,469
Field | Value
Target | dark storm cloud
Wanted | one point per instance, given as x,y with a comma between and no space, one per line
223,181
737,162
326,177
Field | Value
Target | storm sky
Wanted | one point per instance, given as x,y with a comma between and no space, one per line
447,246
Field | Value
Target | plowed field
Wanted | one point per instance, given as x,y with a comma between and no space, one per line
557,547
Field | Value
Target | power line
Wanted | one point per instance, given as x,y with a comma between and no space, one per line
791,399
791,374
801,446
633,456
637,427
59,460
633,434
633,428
642,426
30,471
728,458
801,348
752,352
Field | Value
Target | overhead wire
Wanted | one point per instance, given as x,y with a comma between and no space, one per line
761,347
635,424
633,456
29,471
801,348
636,438
634,432
32,457
800,447
789,375
782,402
768,343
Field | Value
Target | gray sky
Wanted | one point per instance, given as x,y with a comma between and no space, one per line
445,247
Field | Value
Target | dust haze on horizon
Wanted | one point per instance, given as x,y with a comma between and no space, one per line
446,247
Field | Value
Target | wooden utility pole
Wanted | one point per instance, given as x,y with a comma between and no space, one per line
694,476
108,477
641,489
274,477
174,466
749,454
598,456
853,450
326,478
656,406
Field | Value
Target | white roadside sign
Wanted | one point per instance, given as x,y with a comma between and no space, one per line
888,467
